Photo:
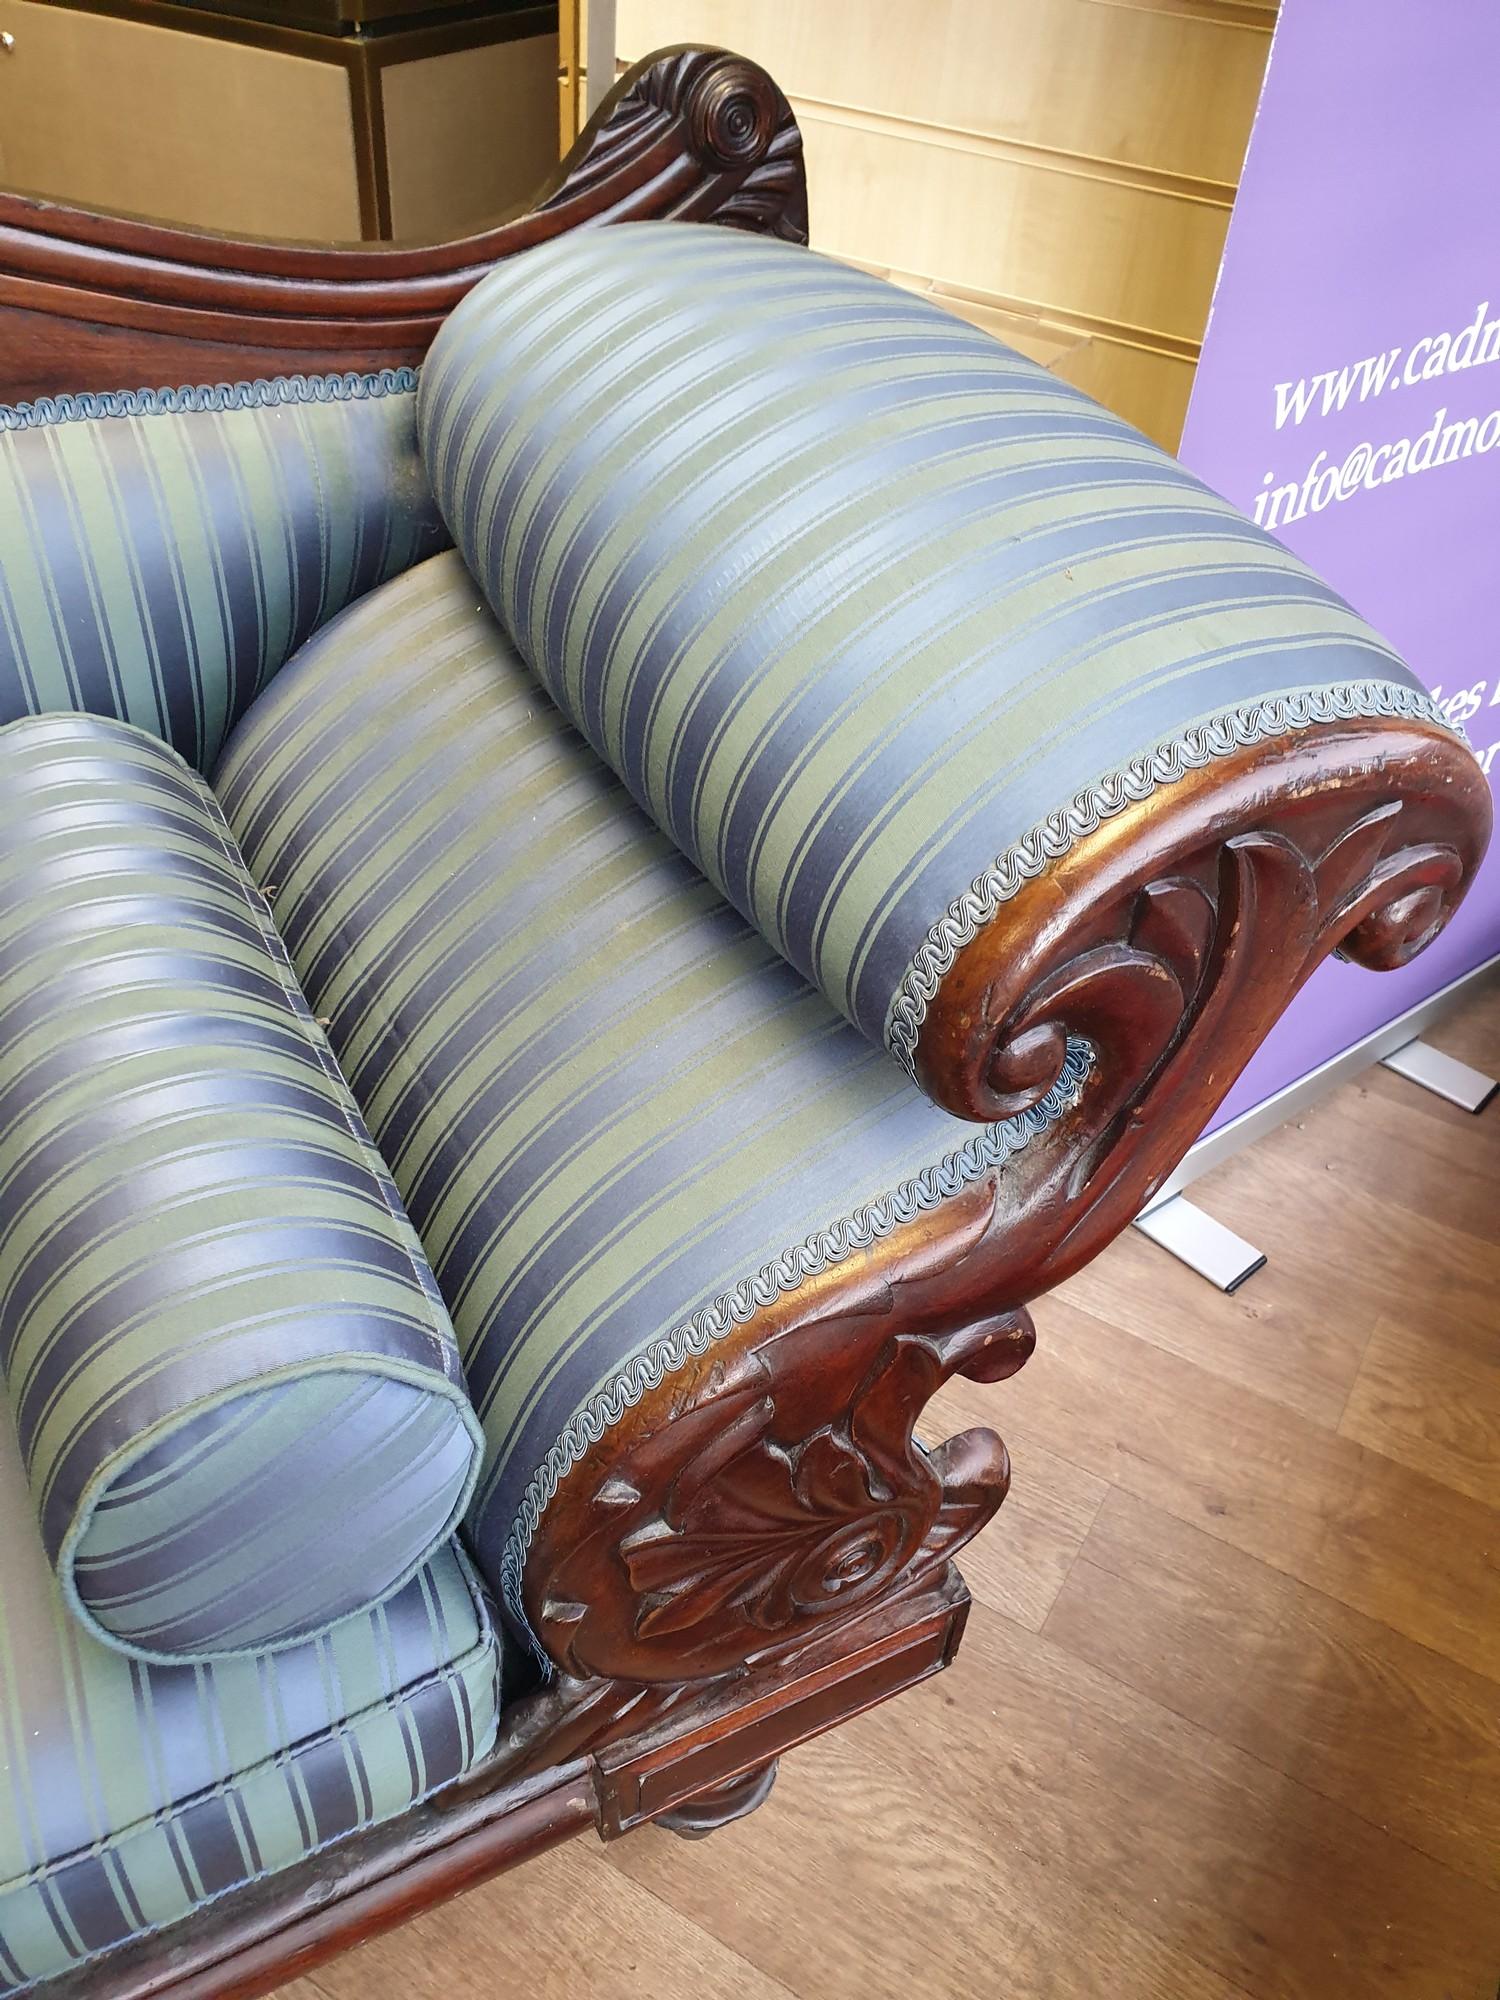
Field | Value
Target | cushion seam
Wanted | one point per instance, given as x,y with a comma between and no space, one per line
168,1815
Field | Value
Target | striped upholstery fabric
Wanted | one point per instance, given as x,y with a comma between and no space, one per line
161,563
238,1395
617,1118
870,613
130,1795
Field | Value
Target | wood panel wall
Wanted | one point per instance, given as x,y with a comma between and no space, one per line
1058,171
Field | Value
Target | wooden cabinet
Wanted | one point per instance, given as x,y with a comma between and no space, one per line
1059,171
320,119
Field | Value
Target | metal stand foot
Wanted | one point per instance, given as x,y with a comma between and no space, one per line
1205,1246
1419,1062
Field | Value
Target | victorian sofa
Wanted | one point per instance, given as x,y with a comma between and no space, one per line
577,933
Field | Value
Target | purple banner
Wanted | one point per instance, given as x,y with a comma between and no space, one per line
1348,397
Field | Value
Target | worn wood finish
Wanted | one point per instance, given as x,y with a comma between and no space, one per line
97,302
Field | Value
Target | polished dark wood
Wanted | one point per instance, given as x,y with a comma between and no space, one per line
98,302
707,1811
1224,1722
760,1548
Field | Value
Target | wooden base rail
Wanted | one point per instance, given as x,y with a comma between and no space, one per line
575,1756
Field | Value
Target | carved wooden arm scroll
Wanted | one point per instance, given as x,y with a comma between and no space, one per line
98,302
1174,936
773,1487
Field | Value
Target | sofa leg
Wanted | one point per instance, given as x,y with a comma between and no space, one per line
710,1810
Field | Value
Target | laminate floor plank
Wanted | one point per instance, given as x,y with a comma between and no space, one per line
1130,1844
1428,1395
1394,1731
1380,1537
565,1925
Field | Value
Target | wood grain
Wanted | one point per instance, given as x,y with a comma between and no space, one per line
1443,1421
94,301
1252,1749
1330,1698
1073,159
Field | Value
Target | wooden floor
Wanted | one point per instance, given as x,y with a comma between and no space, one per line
1226,1719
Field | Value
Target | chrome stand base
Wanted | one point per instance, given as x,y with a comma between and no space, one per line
1419,1062
1205,1246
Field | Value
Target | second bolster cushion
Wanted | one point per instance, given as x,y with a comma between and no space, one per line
238,1394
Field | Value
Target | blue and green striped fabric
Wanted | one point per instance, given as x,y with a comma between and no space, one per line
618,1119
131,1795
871,614
163,553
238,1394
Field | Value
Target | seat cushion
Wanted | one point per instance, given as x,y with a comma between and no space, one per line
162,553
130,1795
619,1121
238,1392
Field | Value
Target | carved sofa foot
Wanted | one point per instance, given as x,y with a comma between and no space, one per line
711,1810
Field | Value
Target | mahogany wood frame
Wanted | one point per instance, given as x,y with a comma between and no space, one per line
92,302
759,1547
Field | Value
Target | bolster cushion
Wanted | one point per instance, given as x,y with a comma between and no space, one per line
238,1393
872,615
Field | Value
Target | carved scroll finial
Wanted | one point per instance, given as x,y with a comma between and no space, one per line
732,110
1173,938
100,303
733,125
773,1486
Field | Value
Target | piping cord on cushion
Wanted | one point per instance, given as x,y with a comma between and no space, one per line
1221,735
263,393
989,1148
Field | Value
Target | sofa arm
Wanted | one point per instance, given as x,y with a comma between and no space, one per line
237,1391
883,624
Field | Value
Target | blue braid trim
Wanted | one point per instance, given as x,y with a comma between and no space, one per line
988,1148
264,393
1232,729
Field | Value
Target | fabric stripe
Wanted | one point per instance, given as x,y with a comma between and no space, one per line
609,1106
167,551
857,602
238,1393
131,1794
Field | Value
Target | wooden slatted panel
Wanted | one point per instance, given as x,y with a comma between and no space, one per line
1067,164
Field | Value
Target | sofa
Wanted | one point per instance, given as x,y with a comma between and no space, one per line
618,846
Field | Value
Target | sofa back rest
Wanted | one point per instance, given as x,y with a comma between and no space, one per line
164,552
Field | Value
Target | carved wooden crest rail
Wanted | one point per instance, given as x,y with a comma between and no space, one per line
97,302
